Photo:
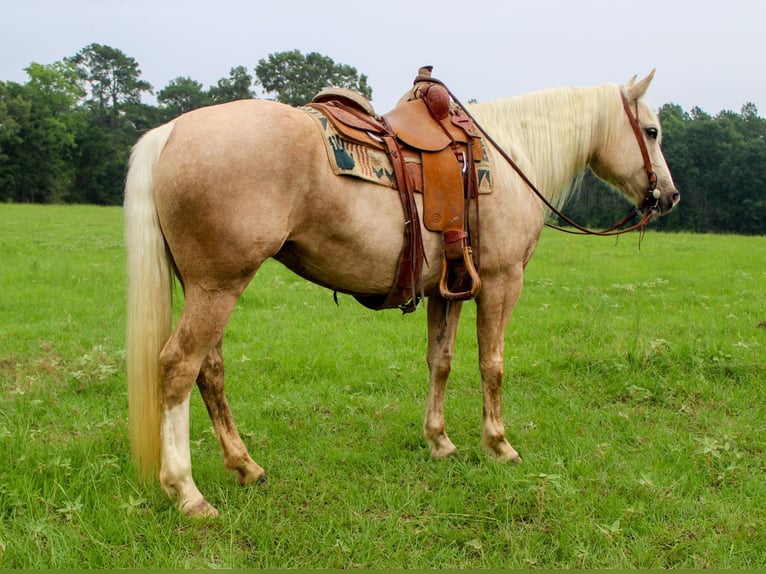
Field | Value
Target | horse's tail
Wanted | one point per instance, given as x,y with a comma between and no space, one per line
149,301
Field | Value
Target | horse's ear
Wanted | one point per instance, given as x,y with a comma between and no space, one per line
629,83
637,90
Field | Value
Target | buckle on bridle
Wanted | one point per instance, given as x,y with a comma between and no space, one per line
651,202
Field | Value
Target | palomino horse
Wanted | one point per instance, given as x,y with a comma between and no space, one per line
214,193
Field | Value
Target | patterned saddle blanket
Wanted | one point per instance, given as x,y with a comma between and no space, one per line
354,159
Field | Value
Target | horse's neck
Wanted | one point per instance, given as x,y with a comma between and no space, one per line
551,134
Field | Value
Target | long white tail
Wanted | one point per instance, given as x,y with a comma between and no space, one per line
149,303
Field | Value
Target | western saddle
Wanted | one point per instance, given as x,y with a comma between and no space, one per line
441,142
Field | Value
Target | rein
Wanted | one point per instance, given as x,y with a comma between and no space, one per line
649,206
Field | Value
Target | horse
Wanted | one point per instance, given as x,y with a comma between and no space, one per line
212,194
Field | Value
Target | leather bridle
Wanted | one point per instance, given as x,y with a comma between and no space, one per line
649,206
651,199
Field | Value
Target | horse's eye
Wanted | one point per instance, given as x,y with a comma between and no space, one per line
652,133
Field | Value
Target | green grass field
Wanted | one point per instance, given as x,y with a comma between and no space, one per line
634,390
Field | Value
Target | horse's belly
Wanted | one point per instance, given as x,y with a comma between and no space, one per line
364,265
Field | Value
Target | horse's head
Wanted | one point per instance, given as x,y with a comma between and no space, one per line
632,159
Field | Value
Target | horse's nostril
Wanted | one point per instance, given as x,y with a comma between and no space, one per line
676,197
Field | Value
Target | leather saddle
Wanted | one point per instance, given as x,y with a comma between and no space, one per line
432,146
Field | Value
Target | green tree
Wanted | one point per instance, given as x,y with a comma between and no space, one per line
14,114
238,86
112,78
675,123
294,78
182,95
40,144
114,91
740,205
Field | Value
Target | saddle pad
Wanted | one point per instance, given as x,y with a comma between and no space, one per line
370,164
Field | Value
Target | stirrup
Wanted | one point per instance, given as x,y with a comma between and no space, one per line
468,272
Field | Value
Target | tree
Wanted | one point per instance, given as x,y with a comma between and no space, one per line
114,90
238,86
111,76
40,142
675,123
295,78
14,114
182,95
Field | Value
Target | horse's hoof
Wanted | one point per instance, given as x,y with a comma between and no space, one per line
201,509
444,452
252,475
247,480
503,452
442,447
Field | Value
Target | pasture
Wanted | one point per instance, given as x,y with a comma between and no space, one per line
634,391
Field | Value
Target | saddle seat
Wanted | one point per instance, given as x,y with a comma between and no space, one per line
432,145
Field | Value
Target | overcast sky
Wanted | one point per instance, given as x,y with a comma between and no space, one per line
707,54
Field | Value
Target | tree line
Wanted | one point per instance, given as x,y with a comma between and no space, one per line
65,136
719,165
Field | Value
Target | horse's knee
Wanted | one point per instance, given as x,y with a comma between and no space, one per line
440,364
492,369
440,370
179,371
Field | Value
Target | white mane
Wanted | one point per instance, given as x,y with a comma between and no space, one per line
550,134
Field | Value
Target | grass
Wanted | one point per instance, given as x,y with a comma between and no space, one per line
634,391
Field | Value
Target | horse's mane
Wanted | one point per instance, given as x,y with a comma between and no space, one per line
550,134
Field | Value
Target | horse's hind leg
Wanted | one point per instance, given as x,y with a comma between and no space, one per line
211,385
443,317
199,330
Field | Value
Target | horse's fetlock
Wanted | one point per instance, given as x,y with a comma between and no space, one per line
433,431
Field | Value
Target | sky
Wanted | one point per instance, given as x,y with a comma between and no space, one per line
708,54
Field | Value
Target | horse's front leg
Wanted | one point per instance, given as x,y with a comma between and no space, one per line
211,385
443,317
494,308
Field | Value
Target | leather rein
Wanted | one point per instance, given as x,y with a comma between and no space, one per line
649,206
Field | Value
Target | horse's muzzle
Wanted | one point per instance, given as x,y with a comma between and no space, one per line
660,202
669,201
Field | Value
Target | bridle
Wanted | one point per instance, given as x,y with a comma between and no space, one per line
649,206
651,199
